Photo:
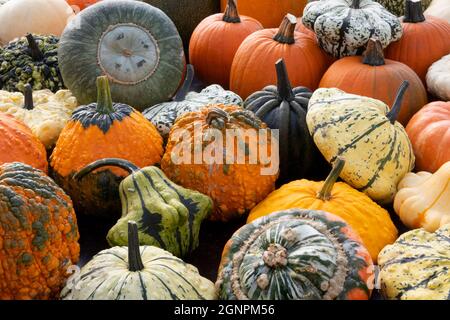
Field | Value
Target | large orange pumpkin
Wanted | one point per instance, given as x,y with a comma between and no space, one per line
18,144
375,77
251,69
269,12
81,4
429,132
425,40
215,42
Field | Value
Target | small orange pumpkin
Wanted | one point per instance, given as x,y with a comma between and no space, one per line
81,4
18,144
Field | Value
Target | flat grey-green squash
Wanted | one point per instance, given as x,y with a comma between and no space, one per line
136,45
138,273
417,266
167,215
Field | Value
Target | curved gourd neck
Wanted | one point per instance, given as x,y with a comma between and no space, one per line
104,100
325,193
396,108
286,30
114,162
231,14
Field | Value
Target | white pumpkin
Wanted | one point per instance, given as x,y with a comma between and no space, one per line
438,78
439,9
46,17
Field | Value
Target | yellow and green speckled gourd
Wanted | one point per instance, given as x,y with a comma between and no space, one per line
367,218
417,266
365,132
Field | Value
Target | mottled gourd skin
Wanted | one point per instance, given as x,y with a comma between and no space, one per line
344,31
397,7
164,277
417,266
38,234
378,154
295,255
168,216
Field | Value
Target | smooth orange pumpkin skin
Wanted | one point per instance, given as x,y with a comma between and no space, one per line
214,44
269,12
357,209
421,45
81,4
379,82
252,65
18,144
429,132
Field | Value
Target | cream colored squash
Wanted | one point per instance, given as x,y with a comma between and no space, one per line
44,112
423,199
440,9
438,78
19,17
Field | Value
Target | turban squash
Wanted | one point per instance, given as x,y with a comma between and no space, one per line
295,255
373,76
44,112
138,273
96,131
376,148
438,78
338,198
38,234
236,170
417,266
215,41
18,143
167,215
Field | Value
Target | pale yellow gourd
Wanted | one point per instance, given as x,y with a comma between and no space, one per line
423,199
44,112
440,9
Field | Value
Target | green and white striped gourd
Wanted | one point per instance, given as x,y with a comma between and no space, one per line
138,273
417,266
397,7
295,255
362,130
168,216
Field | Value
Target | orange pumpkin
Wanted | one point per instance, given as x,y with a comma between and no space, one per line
213,168
425,40
429,132
81,4
18,144
269,12
215,42
251,69
373,76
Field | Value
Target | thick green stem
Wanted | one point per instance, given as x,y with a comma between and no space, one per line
35,52
286,30
373,56
395,110
134,254
104,100
231,13
325,193
186,87
28,97
283,83
413,12
356,4
115,162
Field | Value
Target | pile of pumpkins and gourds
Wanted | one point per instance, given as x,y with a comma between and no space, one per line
94,96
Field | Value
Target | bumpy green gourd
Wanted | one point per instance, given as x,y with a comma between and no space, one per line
33,60
168,216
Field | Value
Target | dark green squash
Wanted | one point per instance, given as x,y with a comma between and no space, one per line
284,108
168,216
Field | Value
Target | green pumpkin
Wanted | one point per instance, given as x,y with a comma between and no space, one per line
136,45
295,255
365,133
284,109
397,7
32,60
168,216
164,115
138,273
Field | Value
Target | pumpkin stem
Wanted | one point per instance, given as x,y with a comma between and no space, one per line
231,13
104,100
413,12
121,163
134,254
325,193
283,83
373,56
35,52
183,91
286,30
356,4
28,97
395,110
